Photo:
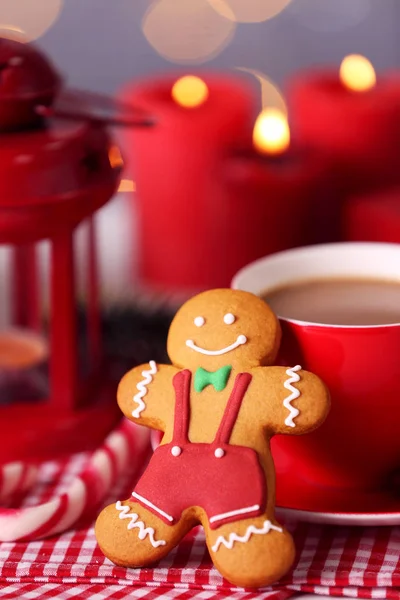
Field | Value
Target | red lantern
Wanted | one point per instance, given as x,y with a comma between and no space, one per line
55,173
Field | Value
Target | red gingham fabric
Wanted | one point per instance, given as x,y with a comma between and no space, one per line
338,561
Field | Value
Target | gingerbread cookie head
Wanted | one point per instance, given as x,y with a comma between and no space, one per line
223,325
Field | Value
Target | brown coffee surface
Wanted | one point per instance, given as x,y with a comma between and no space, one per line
338,301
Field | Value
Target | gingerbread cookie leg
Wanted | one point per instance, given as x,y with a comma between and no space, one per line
131,536
252,552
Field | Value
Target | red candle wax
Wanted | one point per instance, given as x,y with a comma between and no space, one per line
278,202
360,129
373,217
184,210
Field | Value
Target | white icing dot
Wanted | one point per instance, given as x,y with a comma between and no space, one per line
219,453
176,451
199,321
229,318
242,339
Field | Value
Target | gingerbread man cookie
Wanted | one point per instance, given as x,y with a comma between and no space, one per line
218,405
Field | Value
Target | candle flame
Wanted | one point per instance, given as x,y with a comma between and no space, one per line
21,349
127,185
271,134
357,73
189,91
115,157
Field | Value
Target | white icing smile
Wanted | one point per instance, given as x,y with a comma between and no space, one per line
241,339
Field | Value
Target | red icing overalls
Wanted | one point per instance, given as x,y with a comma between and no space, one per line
226,481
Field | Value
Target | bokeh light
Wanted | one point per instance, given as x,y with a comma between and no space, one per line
271,134
271,95
28,19
187,31
249,11
330,15
357,73
189,91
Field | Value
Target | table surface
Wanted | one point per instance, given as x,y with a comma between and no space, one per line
354,561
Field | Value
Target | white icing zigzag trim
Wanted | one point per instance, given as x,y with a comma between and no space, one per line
143,530
142,387
233,537
293,378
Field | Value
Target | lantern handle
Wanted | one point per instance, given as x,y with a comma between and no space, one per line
80,105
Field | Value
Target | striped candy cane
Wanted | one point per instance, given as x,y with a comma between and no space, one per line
16,478
125,445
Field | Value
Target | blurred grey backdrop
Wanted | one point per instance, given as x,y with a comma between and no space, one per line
100,44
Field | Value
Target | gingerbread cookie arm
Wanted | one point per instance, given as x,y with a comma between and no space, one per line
291,400
146,395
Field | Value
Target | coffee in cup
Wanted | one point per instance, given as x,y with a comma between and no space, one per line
339,307
338,301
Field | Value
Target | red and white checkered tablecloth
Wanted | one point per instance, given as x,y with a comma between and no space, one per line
340,561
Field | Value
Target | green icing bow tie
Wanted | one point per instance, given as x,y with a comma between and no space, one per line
218,379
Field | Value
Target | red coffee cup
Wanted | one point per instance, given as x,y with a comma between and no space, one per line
358,446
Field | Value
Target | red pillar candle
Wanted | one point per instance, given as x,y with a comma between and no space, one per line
277,200
357,127
183,206
373,217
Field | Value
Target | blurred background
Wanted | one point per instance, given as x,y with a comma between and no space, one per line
101,45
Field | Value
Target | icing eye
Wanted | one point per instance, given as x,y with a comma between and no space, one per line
229,319
199,321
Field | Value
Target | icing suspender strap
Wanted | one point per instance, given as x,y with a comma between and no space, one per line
181,384
227,424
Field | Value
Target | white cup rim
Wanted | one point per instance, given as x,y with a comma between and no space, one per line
350,259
